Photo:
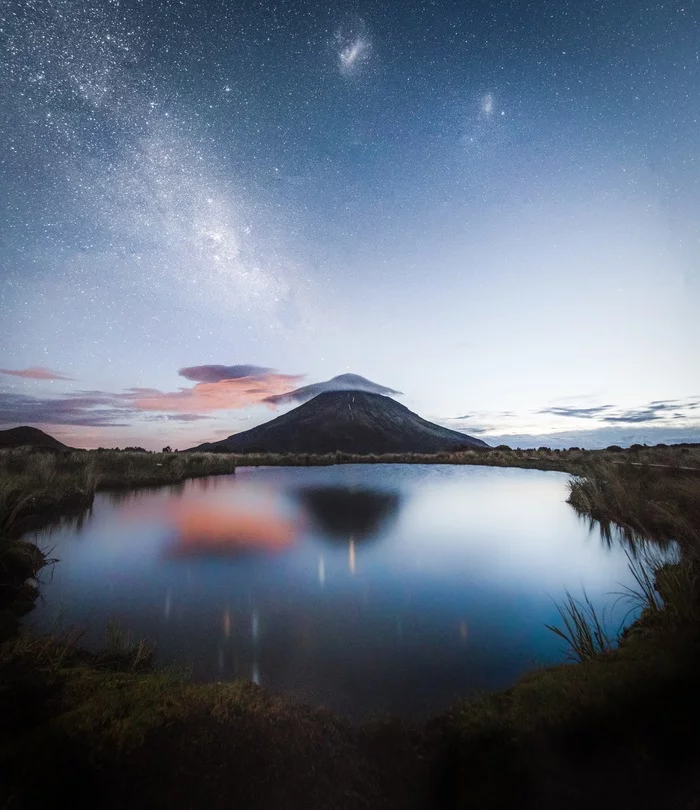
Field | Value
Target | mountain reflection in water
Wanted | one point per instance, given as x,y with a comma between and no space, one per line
339,513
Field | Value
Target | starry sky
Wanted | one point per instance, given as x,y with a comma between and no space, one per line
490,207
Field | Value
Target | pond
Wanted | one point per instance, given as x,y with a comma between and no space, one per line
364,588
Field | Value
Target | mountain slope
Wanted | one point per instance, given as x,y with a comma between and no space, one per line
348,421
28,436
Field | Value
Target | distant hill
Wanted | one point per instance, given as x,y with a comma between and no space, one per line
29,437
346,421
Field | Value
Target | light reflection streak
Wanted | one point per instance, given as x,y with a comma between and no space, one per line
351,556
321,571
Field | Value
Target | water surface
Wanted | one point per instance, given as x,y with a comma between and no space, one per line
365,588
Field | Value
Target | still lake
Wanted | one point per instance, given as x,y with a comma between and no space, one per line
364,588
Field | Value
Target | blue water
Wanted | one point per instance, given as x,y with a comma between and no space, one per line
364,588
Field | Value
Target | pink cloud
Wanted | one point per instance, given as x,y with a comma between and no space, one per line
241,392
35,373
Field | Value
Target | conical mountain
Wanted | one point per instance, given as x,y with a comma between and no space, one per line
346,421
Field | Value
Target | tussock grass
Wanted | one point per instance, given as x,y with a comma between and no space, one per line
20,560
44,485
646,503
659,516
122,652
573,460
584,629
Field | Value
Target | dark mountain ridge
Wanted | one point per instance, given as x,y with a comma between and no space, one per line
349,422
26,436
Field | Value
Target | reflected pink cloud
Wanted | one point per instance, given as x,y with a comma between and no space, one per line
209,528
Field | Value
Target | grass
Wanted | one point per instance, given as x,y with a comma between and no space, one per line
107,738
658,514
646,503
573,460
44,485
617,730
584,630
20,561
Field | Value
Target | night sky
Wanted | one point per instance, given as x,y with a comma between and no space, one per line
491,207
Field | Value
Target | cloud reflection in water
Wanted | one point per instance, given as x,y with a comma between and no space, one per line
206,529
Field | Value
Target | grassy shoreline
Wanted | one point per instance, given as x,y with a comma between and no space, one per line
617,730
38,486
52,483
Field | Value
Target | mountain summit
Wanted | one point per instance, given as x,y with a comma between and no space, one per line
343,382
348,421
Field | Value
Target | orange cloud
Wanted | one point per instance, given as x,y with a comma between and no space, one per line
35,373
241,392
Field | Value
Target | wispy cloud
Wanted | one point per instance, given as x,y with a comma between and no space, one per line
664,420
217,373
564,410
94,411
658,410
35,373
176,417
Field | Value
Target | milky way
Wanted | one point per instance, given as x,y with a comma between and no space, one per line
426,194
129,175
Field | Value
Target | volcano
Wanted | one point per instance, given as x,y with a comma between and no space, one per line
349,422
